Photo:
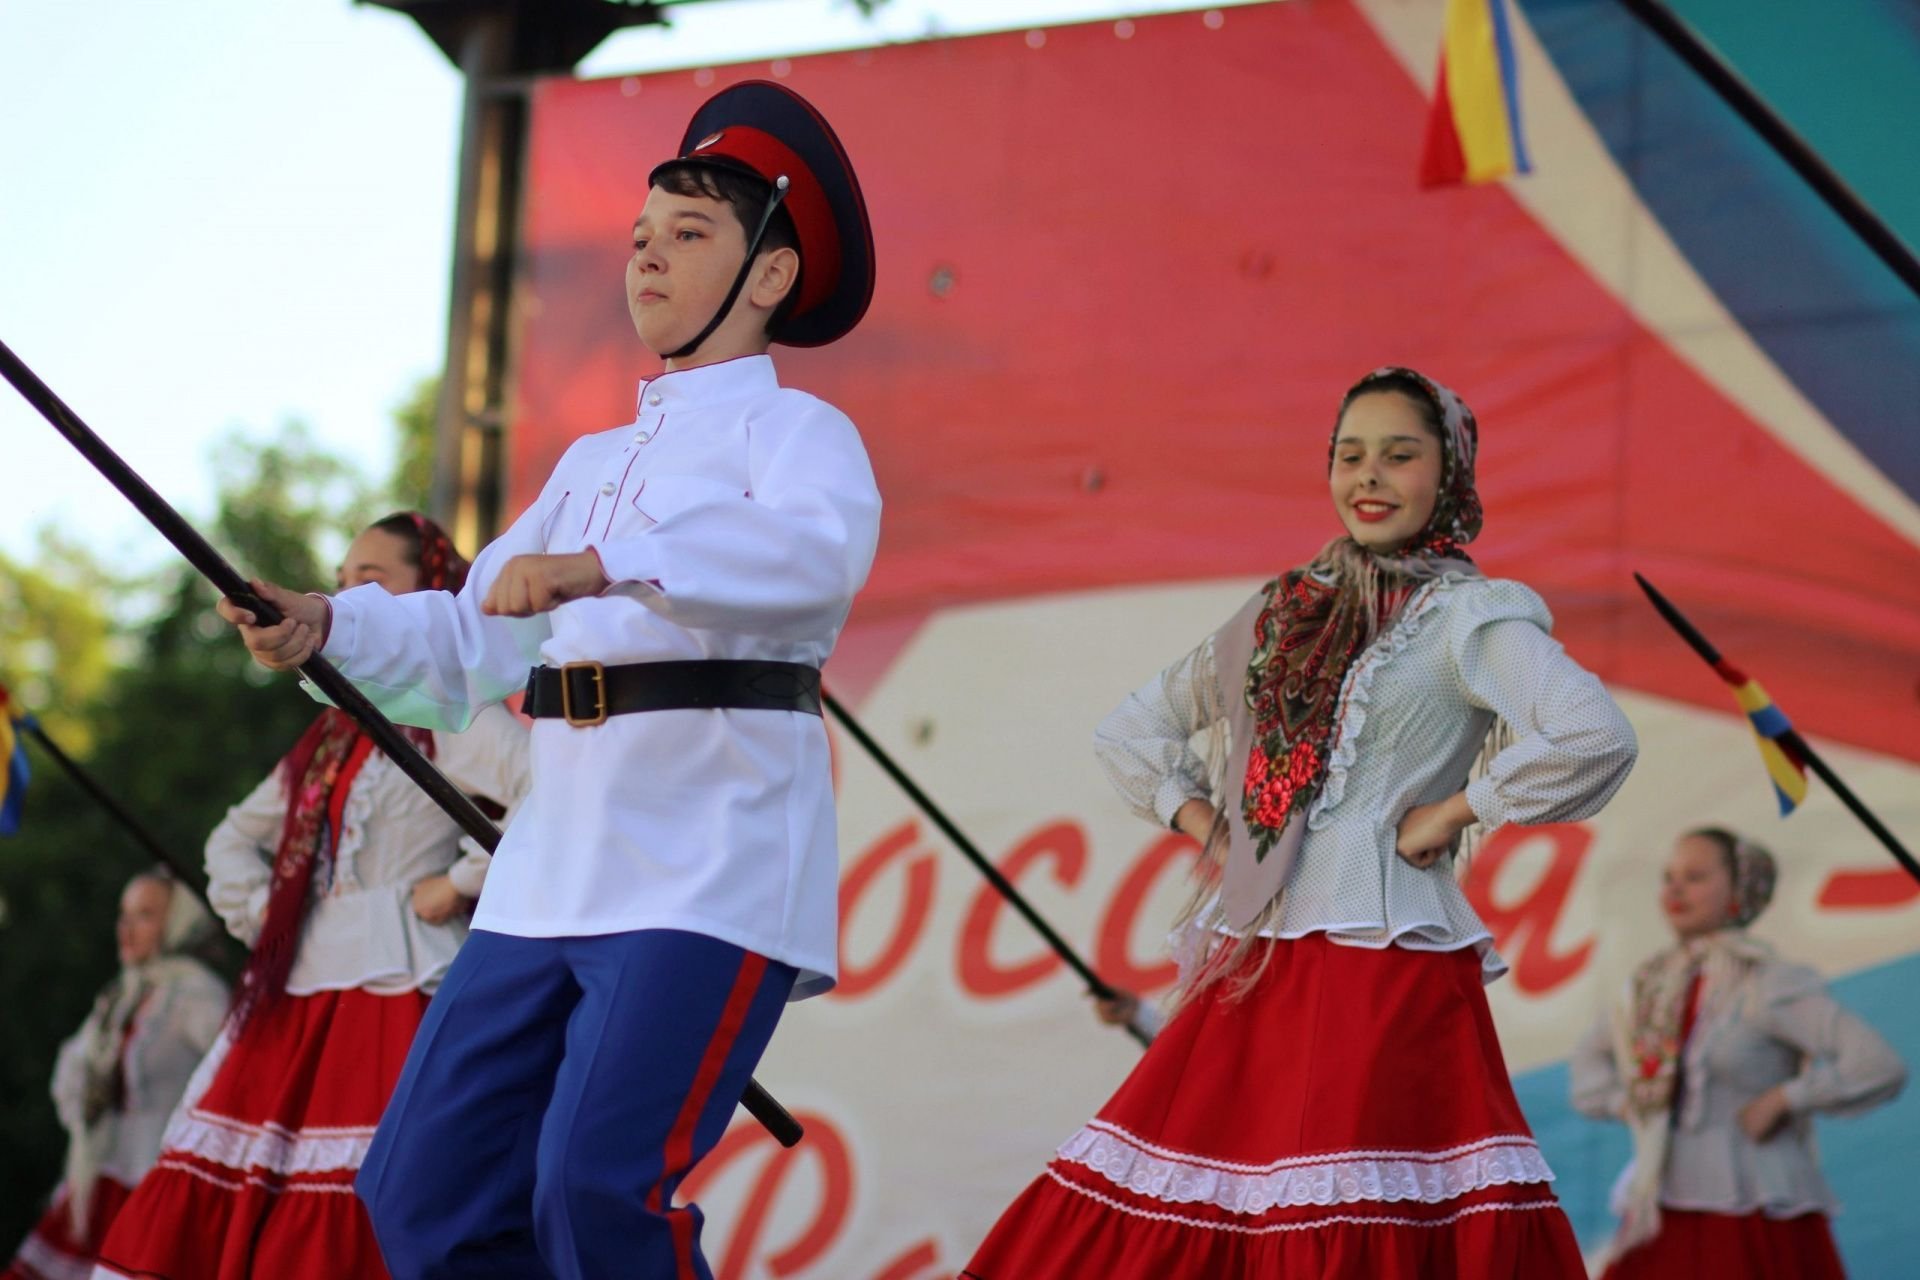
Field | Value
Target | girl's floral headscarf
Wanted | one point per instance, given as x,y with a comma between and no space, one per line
1320,617
317,774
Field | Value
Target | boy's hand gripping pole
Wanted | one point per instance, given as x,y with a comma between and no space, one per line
214,567
1096,986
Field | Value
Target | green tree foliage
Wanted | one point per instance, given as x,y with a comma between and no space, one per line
56,639
412,486
178,731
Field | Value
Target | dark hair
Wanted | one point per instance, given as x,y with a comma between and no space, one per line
1723,840
1407,385
746,195
403,526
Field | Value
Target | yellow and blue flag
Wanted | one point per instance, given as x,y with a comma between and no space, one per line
1473,130
13,749
1770,725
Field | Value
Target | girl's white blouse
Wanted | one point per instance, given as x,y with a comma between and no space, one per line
1414,712
1780,1027
361,930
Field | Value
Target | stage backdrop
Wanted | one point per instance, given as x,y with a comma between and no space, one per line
1126,270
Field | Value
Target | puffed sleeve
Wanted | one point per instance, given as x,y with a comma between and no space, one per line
1848,1067
1572,746
240,858
1145,744
490,758
783,559
1593,1084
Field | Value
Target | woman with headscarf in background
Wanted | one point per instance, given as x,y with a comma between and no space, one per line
1717,1056
1329,1097
119,1077
352,888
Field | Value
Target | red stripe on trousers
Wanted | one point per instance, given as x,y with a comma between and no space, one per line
680,1140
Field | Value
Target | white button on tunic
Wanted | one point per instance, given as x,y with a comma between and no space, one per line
742,530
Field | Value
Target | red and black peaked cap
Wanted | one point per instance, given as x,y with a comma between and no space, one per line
759,128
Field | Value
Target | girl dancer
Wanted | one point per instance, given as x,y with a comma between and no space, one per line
1328,1097
120,1076
350,886
1717,1056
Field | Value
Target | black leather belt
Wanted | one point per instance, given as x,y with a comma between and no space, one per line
586,693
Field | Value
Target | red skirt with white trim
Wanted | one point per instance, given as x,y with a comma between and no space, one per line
1725,1246
1350,1116
256,1178
55,1249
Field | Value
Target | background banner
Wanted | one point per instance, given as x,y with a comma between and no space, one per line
1126,271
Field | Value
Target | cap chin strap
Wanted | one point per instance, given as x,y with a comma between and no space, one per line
739,281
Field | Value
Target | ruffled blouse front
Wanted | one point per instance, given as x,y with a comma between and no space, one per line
1414,712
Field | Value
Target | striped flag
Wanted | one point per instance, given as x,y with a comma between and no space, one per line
13,749
1473,130
1770,724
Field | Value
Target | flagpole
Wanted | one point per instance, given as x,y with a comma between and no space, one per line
1790,739
1005,887
1778,134
128,823
226,579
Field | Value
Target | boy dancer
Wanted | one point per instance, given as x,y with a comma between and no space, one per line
671,880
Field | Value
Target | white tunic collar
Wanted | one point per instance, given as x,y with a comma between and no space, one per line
708,384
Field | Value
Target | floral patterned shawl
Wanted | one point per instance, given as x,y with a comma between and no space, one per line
1318,618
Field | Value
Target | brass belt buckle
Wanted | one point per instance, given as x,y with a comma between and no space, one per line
599,714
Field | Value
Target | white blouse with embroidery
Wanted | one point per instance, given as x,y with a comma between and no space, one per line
361,930
1780,1026
1414,712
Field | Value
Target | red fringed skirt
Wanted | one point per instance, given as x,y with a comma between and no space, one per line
256,1178
57,1249
1704,1246
1350,1116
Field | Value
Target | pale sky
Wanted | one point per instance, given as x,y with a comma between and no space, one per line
231,213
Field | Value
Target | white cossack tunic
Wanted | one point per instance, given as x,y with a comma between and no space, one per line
736,519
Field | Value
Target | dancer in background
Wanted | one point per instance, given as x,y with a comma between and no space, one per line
1717,1056
352,888
1328,1097
119,1077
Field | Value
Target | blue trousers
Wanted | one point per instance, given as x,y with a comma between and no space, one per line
557,1093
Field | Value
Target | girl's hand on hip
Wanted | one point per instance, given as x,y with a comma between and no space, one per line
1762,1117
435,900
1427,831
